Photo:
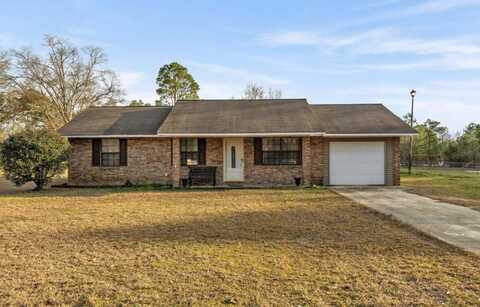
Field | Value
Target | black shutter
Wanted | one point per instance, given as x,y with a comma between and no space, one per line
123,152
96,151
257,145
202,151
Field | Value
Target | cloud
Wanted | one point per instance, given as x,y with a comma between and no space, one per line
461,53
237,73
7,40
220,90
292,38
147,96
129,78
452,102
133,83
447,62
374,41
433,6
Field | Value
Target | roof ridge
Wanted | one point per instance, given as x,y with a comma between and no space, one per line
234,99
347,104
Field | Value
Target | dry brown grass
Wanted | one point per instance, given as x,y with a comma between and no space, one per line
251,247
7,186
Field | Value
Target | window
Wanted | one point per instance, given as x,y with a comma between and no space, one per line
233,157
110,152
189,152
281,151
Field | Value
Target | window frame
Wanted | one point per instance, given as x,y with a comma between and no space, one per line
283,154
115,154
186,154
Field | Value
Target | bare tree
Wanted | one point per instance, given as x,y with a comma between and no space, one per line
254,91
274,93
51,90
3,69
3,87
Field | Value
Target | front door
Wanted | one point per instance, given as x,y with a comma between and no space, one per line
233,159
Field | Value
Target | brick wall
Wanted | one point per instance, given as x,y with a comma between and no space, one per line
318,161
148,159
272,175
320,158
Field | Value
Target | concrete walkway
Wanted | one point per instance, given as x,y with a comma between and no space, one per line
459,226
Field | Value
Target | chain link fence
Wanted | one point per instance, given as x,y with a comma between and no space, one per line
443,164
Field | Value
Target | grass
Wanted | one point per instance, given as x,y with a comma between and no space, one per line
7,186
249,247
455,186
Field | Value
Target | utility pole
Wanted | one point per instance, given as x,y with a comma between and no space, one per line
410,156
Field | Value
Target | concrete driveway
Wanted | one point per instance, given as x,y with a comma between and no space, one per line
453,224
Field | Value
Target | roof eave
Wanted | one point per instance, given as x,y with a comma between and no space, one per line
360,135
256,134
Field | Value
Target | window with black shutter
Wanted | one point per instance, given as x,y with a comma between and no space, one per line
123,152
278,151
109,152
96,152
193,152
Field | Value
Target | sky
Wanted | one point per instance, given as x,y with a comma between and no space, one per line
326,51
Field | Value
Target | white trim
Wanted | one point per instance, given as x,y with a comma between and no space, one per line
112,136
164,135
170,135
239,134
358,135
225,161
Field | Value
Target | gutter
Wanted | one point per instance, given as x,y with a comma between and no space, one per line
271,134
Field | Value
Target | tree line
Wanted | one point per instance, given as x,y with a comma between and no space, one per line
39,93
435,145
47,91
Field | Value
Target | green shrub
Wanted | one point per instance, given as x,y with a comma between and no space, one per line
33,155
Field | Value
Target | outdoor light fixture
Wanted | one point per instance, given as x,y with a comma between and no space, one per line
410,157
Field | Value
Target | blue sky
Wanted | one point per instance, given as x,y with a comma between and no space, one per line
325,51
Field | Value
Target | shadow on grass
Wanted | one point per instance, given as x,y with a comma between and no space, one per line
357,231
105,191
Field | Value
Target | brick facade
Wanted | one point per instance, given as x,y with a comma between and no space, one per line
320,158
267,175
149,161
157,160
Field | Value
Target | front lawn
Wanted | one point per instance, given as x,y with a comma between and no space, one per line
249,247
460,187
7,186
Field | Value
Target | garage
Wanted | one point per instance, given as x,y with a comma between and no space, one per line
357,163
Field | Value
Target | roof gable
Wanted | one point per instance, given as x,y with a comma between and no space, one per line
104,121
238,116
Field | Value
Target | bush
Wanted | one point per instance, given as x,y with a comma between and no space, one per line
35,156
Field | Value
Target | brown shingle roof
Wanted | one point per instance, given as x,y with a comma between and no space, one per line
238,116
356,118
99,121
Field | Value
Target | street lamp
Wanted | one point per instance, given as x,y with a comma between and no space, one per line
410,157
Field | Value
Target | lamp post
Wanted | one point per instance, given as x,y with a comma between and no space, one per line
410,157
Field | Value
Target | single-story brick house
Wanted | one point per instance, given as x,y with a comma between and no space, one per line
236,142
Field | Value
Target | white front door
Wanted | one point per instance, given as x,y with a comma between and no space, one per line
357,163
233,159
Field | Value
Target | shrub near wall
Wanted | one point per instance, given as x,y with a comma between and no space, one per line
33,155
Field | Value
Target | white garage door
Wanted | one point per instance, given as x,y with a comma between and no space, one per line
357,163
